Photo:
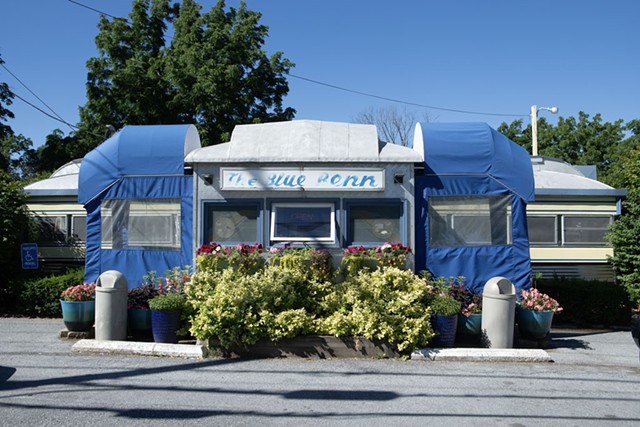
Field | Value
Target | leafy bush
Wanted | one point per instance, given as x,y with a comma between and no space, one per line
444,305
241,309
588,302
315,264
243,259
387,304
41,297
167,302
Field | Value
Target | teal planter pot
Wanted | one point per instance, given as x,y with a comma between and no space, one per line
139,320
445,329
78,316
534,324
470,326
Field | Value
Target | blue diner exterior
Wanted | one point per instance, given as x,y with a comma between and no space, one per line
471,204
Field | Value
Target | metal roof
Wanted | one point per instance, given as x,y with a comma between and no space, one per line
304,141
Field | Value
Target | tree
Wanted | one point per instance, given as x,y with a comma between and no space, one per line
14,226
214,73
581,141
625,232
393,125
6,97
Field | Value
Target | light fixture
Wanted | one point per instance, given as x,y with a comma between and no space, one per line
534,126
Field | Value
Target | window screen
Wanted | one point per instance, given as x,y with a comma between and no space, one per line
375,223
235,223
52,229
78,228
469,221
586,229
303,222
141,224
543,230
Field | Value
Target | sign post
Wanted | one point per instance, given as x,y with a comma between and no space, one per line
29,256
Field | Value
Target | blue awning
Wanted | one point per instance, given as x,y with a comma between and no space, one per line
136,150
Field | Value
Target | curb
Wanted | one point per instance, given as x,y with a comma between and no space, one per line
482,355
187,351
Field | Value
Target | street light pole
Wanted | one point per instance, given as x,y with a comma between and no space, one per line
534,126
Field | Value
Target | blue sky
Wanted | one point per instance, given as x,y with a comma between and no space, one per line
492,56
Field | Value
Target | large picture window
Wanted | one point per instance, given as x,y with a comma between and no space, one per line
231,222
469,220
305,222
543,230
52,229
140,224
587,230
374,223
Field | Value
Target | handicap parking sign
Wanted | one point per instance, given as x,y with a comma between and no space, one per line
29,256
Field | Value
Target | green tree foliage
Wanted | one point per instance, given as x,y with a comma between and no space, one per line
578,141
213,72
14,225
625,232
6,97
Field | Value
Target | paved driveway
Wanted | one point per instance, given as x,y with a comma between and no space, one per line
595,380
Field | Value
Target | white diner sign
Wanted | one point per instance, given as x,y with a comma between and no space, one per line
301,179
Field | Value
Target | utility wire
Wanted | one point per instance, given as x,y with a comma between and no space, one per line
402,102
44,112
370,95
37,97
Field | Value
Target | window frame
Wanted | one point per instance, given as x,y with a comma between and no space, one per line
231,203
556,241
175,241
474,199
348,232
332,240
564,229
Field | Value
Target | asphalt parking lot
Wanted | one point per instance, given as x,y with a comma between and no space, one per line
593,380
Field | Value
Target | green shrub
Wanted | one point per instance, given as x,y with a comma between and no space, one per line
444,305
41,297
241,309
167,302
588,303
385,304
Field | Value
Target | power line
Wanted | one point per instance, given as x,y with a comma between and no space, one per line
401,101
370,95
44,112
37,97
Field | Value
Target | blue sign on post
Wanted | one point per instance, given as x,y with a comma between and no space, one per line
29,256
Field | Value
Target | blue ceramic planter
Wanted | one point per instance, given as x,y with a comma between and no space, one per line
445,329
534,324
78,316
164,325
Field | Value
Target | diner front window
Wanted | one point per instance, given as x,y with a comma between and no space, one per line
304,222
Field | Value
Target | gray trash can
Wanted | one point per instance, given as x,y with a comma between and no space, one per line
498,313
111,306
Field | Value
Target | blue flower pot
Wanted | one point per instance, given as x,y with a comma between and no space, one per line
78,316
164,325
470,326
534,324
445,329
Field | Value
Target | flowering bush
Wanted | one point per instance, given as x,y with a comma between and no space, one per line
471,302
242,258
537,301
357,258
315,263
83,292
